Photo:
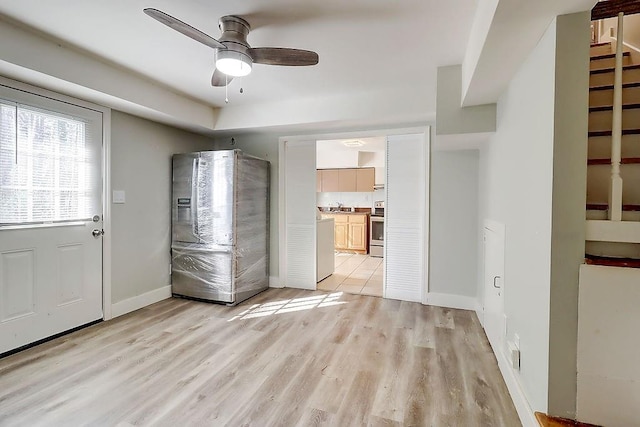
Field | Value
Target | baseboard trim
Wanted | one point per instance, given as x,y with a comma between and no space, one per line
479,308
452,301
526,414
140,301
274,282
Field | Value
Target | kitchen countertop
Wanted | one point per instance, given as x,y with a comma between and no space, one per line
324,219
344,213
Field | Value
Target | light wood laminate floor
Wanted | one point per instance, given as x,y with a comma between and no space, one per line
286,357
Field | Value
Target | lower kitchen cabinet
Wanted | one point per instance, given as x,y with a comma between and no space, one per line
357,237
351,232
341,231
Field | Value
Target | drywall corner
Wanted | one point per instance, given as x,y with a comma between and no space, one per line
571,117
451,117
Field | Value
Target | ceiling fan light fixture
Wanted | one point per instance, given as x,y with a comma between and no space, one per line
234,64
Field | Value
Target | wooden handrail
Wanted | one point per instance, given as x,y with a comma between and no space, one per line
611,8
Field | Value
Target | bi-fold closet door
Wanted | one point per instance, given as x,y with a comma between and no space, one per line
406,217
300,214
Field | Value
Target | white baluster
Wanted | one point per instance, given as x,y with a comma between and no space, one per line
615,191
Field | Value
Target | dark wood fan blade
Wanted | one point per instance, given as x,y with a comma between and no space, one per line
183,28
220,79
283,56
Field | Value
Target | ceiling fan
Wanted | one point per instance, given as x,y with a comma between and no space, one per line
234,55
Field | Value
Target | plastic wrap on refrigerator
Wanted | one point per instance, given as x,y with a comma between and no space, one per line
220,236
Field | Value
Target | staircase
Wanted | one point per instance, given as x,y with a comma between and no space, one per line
613,248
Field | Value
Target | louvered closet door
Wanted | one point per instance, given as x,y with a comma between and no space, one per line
300,214
405,217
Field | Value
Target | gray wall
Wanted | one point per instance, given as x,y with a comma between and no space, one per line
453,253
141,228
569,202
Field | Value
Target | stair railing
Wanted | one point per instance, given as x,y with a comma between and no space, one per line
615,190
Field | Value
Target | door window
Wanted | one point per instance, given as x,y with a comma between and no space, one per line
45,166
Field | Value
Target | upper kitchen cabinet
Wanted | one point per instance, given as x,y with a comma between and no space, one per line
330,181
345,180
348,180
365,179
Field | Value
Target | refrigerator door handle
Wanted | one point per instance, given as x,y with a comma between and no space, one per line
195,172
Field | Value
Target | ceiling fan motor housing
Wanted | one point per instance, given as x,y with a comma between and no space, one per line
234,35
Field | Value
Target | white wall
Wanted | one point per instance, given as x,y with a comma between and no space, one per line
454,227
451,117
533,179
515,189
333,159
356,200
141,228
608,350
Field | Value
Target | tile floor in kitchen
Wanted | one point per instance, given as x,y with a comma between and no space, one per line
355,274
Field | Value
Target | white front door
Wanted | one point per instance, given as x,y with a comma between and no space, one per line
50,205
494,284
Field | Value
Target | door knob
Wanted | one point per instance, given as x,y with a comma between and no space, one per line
97,233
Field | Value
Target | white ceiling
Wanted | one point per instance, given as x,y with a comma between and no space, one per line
377,69
364,45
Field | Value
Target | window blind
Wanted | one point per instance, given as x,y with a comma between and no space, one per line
45,166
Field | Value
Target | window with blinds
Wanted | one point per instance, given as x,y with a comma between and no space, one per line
45,166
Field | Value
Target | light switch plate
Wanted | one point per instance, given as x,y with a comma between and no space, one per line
118,196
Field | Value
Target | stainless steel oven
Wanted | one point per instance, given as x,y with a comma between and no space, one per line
376,240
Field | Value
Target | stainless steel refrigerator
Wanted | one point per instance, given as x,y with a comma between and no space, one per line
220,226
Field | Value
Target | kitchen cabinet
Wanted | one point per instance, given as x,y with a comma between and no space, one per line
330,180
365,179
341,231
345,180
351,232
357,233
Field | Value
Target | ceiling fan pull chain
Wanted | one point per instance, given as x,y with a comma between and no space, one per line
226,89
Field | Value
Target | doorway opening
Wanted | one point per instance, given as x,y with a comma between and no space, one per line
404,159
350,196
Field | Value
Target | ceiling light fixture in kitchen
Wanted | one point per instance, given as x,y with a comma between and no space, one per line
353,143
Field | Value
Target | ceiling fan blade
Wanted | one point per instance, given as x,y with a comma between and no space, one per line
220,79
183,28
283,56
